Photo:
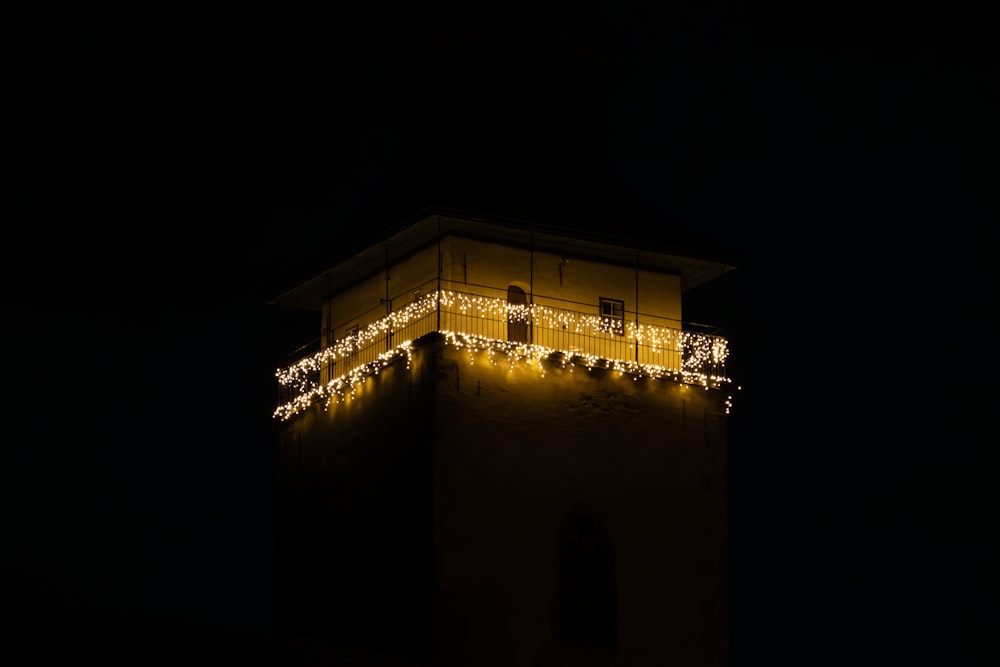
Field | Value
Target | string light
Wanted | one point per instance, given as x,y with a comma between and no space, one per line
694,351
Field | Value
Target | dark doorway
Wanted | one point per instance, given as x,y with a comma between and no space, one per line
587,594
517,319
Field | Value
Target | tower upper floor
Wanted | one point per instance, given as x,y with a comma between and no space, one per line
521,290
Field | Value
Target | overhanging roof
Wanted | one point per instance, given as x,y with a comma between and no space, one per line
696,266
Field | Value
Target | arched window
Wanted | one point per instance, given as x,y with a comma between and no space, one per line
517,325
587,605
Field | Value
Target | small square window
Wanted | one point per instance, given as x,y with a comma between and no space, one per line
613,314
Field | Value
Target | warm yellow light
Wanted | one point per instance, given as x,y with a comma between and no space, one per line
699,351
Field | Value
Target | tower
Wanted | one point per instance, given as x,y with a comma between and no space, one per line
506,447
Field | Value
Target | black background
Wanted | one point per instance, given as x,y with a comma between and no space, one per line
178,163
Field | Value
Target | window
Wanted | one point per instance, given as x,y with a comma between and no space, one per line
613,315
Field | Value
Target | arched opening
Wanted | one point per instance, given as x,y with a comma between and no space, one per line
517,318
587,605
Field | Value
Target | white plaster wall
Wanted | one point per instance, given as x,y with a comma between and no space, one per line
364,303
570,284
505,454
475,268
582,282
515,450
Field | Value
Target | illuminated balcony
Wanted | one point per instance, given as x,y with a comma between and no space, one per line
519,292
546,331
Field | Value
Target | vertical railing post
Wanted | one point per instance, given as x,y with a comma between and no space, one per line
531,290
388,302
635,333
389,331
438,296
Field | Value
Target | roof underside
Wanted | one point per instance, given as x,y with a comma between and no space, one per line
428,227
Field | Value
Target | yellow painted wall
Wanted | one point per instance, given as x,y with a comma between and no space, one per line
477,263
471,267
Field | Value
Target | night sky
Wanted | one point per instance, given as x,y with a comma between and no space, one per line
180,164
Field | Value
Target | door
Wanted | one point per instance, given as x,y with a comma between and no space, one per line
517,318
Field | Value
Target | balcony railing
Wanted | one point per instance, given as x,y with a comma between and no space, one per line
533,331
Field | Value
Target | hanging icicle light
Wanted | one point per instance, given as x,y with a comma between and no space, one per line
700,351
